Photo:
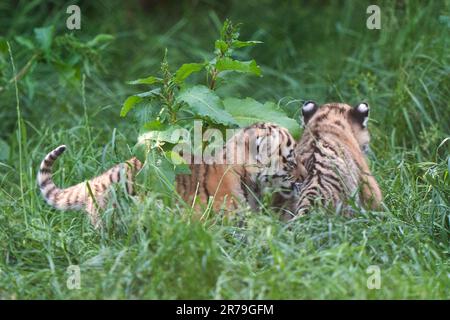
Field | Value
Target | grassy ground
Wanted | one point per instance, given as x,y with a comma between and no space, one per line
322,52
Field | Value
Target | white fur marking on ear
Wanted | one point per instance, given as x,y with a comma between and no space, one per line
302,122
363,107
366,119
308,107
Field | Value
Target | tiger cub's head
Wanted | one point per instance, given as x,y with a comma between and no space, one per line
339,117
275,157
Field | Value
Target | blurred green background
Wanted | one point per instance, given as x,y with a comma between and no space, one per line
319,50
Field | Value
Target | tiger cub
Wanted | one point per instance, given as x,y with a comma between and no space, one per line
267,159
89,195
333,151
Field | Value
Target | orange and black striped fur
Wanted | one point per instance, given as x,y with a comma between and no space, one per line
269,162
89,195
333,151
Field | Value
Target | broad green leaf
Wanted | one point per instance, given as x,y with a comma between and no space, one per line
129,104
221,45
186,70
148,80
150,93
241,44
144,112
153,125
249,111
171,134
131,101
158,172
44,37
175,158
100,38
228,64
204,103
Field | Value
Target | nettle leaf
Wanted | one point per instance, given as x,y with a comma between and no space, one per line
228,64
151,93
44,37
144,112
171,134
129,104
158,172
153,125
221,45
67,73
241,44
140,151
148,80
204,103
160,168
249,111
179,161
186,70
131,101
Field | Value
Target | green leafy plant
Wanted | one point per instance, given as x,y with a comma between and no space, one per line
172,103
68,55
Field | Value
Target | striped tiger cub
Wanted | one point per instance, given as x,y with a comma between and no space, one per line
333,151
89,195
256,159
267,160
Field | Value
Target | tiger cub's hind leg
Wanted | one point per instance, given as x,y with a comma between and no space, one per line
370,192
93,213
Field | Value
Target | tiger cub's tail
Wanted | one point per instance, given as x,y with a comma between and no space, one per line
51,193
89,194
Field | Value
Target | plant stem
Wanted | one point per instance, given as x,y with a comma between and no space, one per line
214,74
19,124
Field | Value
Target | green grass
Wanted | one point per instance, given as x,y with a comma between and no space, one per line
150,250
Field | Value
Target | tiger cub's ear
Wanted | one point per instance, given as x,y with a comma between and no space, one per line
360,113
308,110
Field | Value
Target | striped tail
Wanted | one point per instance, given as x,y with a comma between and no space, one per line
49,190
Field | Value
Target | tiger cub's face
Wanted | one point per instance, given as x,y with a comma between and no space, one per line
275,155
342,116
